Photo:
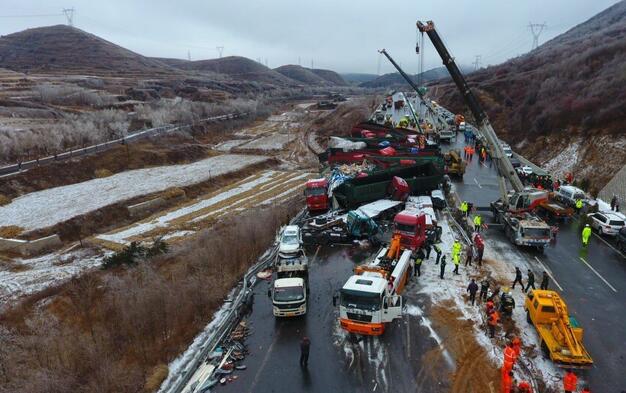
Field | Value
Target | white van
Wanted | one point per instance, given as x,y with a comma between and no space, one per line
569,195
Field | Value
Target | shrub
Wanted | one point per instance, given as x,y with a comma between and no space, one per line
101,173
4,200
172,193
134,253
10,231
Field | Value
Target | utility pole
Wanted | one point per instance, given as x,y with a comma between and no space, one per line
220,50
477,62
69,14
535,30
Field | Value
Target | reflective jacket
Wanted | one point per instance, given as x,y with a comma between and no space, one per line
477,220
509,355
494,318
570,380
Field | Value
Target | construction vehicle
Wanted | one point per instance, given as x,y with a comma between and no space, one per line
290,288
520,224
371,298
561,335
316,194
454,163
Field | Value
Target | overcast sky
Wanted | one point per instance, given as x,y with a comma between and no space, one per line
335,34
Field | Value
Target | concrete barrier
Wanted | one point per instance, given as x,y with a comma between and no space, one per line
30,247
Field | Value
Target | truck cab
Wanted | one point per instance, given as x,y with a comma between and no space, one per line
289,297
410,224
316,193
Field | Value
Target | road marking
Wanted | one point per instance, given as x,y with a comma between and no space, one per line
477,183
549,274
315,255
598,274
483,164
609,244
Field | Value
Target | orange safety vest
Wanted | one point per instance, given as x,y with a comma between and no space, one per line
509,355
489,306
524,387
570,380
506,386
494,318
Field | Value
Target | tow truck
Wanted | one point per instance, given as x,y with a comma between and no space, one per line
371,298
515,214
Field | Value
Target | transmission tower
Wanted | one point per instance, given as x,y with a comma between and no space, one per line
535,30
69,14
220,50
477,62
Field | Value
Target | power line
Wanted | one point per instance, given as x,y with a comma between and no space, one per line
536,29
69,14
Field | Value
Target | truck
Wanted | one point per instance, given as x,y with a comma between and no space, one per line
290,288
561,335
454,164
520,224
316,194
371,298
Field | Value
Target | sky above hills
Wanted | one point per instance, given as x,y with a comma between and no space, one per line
339,35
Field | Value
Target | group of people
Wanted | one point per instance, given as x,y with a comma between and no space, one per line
530,281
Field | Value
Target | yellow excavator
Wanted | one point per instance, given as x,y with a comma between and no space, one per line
561,336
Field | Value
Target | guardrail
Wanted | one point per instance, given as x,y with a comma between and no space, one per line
100,147
178,385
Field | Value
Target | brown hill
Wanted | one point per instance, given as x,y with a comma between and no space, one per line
65,49
302,75
240,68
563,104
330,76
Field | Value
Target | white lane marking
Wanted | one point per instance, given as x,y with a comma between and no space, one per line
483,164
609,244
477,183
598,274
549,274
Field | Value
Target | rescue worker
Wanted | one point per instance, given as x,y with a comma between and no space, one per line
586,235
507,382
463,208
456,259
493,320
484,287
518,278
305,345
428,248
477,221
469,255
530,281
443,266
524,387
545,280
509,357
489,307
579,205
480,248
438,251
419,258
516,343
472,288
570,381
456,247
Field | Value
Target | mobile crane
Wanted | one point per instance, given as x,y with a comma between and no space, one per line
514,211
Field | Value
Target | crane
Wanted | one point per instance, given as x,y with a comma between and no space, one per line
429,109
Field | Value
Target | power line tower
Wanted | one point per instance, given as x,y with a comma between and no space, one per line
535,30
69,14
220,50
477,62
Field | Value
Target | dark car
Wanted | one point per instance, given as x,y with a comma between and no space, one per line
621,239
515,162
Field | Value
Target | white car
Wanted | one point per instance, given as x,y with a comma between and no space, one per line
290,240
606,223
526,170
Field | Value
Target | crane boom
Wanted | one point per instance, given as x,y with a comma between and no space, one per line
505,168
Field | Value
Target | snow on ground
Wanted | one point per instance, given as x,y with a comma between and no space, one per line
32,275
269,142
226,146
48,207
565,161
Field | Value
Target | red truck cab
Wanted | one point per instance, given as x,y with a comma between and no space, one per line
411,226
316,193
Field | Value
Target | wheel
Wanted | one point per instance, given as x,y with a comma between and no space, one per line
545,350
530,321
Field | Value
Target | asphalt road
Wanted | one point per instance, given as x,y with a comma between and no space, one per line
593,280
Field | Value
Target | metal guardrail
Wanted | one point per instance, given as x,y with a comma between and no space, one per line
178,385
100,147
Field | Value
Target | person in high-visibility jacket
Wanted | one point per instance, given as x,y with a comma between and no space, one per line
507,382
570,382
477,222
586,234
464,208
509,357
492,321
579,205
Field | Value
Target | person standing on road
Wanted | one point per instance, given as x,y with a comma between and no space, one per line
518,278
613,202
484,288
456,259
586,235
570,382
545,280
579,205
443,267
530,281
492,321
472,288
438,252
419,258
469,255
428,247
477,222
305,345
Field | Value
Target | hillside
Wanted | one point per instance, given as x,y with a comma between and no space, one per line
240,68
395,80
357,78
302,75
562,105
64,49
330,76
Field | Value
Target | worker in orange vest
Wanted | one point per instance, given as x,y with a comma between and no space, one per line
517,346
509,357
524,387
570,381
507,382
493,320
489,306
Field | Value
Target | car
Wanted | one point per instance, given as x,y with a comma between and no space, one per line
507,150
568,195
515,162
290,241
621,239
524,170
438,199
606,223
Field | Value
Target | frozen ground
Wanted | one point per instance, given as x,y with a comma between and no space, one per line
25,276
270,142
48,207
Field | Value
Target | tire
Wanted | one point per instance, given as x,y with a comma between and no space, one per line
545,350
530,321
